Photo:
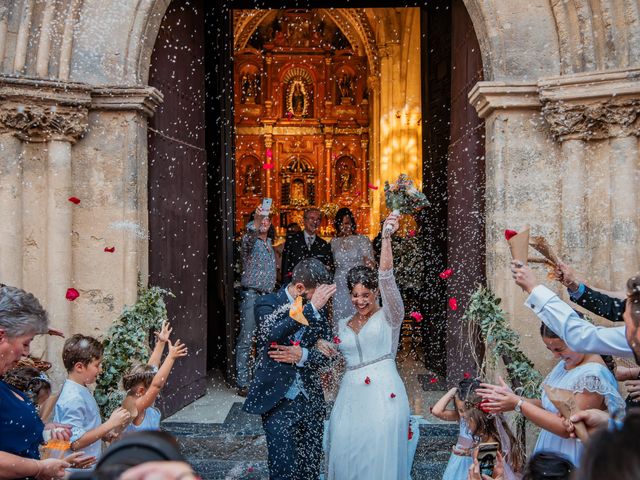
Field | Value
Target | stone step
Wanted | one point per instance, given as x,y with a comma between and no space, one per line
237,449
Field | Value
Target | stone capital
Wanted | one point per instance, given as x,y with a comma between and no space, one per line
137,98
38,123
592,106
487,97
41,110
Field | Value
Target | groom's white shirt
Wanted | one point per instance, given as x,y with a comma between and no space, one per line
580,335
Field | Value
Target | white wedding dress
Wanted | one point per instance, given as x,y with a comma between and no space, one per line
369,425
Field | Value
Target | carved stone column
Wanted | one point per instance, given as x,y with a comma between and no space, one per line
523,187
597,119
11,209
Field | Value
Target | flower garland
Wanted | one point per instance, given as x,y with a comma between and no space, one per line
502,342
127,343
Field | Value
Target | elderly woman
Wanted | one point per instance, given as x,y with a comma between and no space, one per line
21,430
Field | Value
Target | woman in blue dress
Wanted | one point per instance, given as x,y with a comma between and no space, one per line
21,430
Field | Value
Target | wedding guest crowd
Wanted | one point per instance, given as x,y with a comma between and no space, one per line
32,446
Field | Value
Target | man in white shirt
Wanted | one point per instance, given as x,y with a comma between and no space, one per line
578,334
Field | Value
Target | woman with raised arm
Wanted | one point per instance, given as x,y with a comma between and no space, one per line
369,425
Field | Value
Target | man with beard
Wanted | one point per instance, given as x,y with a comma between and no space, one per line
580,335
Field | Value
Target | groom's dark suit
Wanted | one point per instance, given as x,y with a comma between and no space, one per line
293,426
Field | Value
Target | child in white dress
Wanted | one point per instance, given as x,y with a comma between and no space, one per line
460,460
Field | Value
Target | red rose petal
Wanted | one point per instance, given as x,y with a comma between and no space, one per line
393,395
250,469
433,380
509,234
109,249
412,233
417,316
289,114
274,344
446,273
372,186
337,340
410,436
267,166
467,375
269,153
295,343
72,294
367,380
75,200
453,303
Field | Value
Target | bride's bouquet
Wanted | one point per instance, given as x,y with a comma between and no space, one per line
402,197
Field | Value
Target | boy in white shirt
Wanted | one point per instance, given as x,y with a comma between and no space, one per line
82,357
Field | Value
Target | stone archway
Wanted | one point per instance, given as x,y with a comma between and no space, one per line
90,61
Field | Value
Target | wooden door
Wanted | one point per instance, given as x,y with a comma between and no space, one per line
177,190
465,191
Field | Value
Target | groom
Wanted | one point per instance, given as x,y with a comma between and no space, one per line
286,388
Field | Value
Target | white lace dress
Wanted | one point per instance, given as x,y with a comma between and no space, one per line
348,252
369,424
589,377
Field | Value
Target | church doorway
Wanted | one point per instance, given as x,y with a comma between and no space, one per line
319,114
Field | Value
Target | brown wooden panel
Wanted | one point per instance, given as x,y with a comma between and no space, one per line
466,187
177,191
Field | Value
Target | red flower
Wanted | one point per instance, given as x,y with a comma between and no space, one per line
412,233
75,200
410,436
289,274
483,406
269,153
417,316
367,380
250,469
337,340
393,395
453,303
467,375
267,166
433,380
274,344
509,234
372,186
295,343
446,273
109,249
72,294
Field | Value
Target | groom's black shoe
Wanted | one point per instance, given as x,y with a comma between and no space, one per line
242,391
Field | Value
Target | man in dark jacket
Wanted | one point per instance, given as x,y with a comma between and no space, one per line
306,244
286,389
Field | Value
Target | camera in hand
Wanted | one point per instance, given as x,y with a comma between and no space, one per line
487,453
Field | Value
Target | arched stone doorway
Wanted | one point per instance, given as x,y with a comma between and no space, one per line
543,63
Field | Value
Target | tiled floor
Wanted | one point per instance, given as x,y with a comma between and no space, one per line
215,405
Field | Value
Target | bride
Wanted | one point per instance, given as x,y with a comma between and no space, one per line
369,422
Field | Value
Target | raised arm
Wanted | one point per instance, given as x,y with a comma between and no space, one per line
440,409
176,350
162,338
580,335
392,303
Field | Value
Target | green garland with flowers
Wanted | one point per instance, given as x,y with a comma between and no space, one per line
502,341
127,342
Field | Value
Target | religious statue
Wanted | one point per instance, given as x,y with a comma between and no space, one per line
248,88
345,89
297,192
252,181
297,100
345,180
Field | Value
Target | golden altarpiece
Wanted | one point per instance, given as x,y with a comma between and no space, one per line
302,120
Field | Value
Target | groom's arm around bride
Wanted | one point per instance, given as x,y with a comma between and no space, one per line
286,389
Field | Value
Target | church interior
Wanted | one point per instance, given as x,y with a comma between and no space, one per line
327,107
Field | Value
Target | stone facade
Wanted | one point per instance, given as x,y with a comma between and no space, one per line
561,102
